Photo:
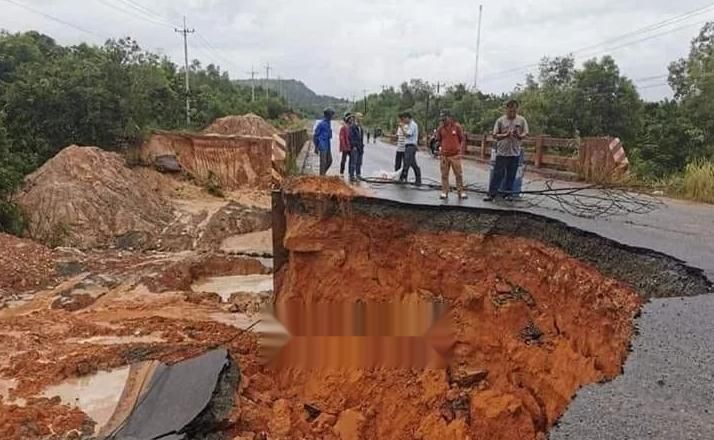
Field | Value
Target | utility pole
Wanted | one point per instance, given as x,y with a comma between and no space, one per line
478,46
365,101
185,31
267,80
438,97
252,82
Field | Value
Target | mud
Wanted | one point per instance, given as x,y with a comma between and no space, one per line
532,325
181,275
539,310
652,274
328,187
26,265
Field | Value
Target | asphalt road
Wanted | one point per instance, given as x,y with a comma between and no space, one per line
667,390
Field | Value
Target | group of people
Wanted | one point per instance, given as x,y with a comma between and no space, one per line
509,132
352,142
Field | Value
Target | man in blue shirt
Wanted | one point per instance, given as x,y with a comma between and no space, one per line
323,141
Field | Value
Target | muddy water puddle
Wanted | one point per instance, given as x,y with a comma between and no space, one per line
97,395
229,285
5,386
256,243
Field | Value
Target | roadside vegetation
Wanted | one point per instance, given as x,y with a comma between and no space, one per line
52,96
670,142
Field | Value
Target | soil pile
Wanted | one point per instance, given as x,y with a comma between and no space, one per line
243,125
531,326
25,265
85,197
320,186
254,125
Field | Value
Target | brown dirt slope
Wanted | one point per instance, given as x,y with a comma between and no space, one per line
86,197
244,125
25,264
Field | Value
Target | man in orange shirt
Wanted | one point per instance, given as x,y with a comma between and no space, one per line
453,142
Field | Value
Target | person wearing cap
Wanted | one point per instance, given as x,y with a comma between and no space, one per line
509,131
345,147
356,148
411,136
323,141
450,136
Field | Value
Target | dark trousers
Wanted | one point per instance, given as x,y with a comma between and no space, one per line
399,161
356,158
410,162
506,169
345,155
325,161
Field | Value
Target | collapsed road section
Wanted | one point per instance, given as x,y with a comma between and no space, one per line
538,310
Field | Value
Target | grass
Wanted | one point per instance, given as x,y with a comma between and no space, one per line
698,182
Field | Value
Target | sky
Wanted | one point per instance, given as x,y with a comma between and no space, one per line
342,48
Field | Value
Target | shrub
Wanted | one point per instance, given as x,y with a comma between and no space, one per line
698,181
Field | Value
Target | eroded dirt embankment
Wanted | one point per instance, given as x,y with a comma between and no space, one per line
532,326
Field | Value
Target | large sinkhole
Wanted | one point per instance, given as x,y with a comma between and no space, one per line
539,310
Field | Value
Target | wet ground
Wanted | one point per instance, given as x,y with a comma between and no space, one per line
666,391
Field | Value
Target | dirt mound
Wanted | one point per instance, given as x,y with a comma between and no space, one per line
25,265
324,186
243,125
86,197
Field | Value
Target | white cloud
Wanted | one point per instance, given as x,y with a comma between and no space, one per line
340,47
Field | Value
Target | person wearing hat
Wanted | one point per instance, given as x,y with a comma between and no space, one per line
323,141
345,147
356,148
452,141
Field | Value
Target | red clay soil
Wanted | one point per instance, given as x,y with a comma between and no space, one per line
244,125
43,418
26,265
533,323
320,186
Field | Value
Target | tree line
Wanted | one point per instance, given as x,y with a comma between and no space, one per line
52,96
565,100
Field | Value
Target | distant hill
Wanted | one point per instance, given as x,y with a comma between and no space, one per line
301,96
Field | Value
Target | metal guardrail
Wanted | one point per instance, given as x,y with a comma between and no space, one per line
295,141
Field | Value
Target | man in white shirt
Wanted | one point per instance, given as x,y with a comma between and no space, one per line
411,140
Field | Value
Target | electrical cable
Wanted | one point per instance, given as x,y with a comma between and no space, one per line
134,14
643,30
586,201
55,19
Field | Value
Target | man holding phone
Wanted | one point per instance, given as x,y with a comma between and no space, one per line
509,131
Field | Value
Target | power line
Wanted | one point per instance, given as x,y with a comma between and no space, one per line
216,53
55,19
646,29
133,14
649,28
148,13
